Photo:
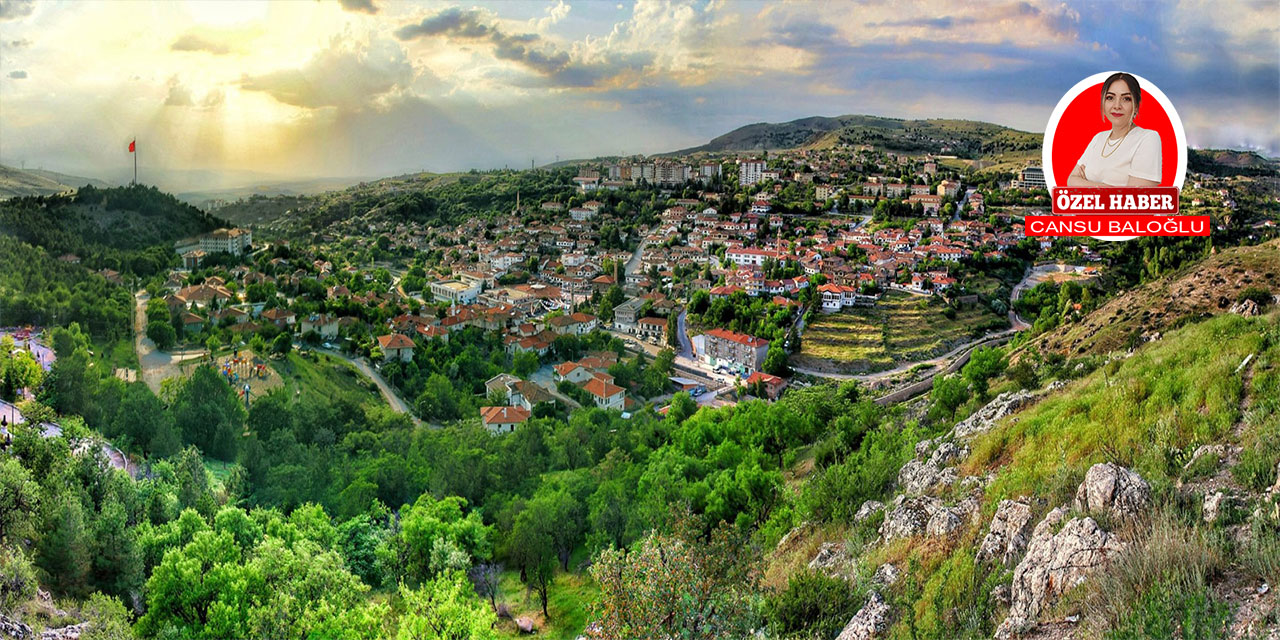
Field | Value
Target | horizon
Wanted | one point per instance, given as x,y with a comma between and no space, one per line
233,94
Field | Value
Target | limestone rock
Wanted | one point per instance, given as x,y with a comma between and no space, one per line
72,632
924,515
869,622
886,575
1010,531
1055,563
1220,504
11,629
908,517
1111,487
868,509
929,471
1246,308
983,419
525,625
1203,450
832,559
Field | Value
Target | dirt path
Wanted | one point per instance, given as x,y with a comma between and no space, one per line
939,363
156,365
388,393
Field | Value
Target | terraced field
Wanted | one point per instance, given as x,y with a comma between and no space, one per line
900,328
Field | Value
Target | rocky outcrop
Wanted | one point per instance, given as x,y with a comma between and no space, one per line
1246,308
1009,534
930,470
886,576
924,515
833,559
983,419
1061,555
869,622
1111,487
868,509
11,629
1221,505
72,632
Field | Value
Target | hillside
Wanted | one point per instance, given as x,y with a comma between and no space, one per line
963,138
17,183
1207,287
1227,162
1127,498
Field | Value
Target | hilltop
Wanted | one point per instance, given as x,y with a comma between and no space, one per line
17,183
962,138
1206,287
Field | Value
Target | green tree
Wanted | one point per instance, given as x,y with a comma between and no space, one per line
211,415
117,563
19,502
162,334
775,361
532,548
18,369
18,582
436,536
525,363
64,551
282,344
949,392
214,345
445,608
678,585
984,364
193,482
143,419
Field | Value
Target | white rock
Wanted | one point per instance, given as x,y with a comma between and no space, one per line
1111,487
869,622
983,419
1009,533
1055,564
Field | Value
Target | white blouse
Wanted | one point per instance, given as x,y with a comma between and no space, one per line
1138,155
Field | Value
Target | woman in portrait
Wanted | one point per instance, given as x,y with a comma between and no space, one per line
1125,155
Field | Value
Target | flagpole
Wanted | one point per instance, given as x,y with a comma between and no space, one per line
135,160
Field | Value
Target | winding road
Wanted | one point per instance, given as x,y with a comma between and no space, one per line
392,397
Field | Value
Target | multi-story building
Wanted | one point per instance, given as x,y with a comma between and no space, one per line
737,352
750,172
454,291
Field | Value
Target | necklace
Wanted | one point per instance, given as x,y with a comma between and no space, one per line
1107,144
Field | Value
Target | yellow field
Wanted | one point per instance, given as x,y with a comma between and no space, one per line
900,328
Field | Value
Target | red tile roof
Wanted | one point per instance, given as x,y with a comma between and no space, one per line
601,389
504,415
740,338
395,341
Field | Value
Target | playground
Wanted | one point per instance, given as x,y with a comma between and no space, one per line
247,373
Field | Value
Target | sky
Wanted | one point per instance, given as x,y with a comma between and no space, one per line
237,90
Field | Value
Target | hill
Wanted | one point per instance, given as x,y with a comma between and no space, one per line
962,138
17,183
1227,162
1207,287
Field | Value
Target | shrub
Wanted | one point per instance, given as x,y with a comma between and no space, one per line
1172,558
17,579
839,490
1262,555
1259,295
1167,611
813,605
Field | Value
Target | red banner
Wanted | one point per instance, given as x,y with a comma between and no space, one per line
1149,200
1116,225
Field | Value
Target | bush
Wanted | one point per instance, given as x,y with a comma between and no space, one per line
1167,611
17,580
1259,295
1173,559
867,474
813,605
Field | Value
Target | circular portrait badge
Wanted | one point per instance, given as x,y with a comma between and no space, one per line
1115,134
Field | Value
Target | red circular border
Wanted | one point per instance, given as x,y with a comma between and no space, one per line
1083,119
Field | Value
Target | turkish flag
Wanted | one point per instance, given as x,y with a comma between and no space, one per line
133,146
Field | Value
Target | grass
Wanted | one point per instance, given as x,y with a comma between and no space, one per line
218,470
568,601
323,378
900,328
1148,413
115,354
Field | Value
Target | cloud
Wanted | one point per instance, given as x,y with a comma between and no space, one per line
18,75
530,50
361,6
179,95
15,9
20,43
191,41
346,75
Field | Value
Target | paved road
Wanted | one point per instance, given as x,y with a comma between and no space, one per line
156,365
682,328
1031,278
392,397
545,377
634,263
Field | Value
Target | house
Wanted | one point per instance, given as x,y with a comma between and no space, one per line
322,323
652,328
576,324
192,323
499,384
606,394
527,394
624,315
772,385
280,317
573,372
396,346
503,419
736,352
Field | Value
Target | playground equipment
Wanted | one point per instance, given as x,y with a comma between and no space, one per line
236,369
